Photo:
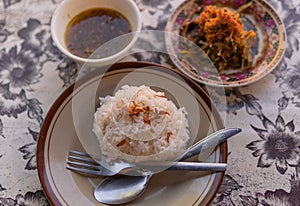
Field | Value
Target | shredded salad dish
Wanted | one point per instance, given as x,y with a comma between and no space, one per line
220,33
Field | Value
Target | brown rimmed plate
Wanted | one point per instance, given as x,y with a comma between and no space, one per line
58,135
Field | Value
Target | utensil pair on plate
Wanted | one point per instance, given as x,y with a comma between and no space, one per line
125,188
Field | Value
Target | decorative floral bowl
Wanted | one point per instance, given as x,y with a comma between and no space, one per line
267,50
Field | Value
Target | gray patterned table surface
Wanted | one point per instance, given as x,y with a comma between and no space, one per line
264,165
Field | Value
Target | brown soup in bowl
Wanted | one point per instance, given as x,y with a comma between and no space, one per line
90,29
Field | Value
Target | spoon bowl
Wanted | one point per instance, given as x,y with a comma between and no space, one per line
129,187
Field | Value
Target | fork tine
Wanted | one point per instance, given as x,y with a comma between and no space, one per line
84,165
82,170
81,156
82,159
79,153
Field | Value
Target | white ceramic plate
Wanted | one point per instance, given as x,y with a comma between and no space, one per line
267,50
58,135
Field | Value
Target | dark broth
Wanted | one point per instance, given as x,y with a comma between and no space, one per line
92,28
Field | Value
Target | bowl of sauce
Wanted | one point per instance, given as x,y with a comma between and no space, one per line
95,32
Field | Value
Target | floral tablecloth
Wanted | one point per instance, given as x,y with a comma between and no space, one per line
263,163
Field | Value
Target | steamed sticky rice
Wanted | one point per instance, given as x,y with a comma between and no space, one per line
139,124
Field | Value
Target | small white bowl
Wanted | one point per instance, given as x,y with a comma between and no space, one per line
70,8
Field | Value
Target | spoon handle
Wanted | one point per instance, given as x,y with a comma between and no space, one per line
198,166
209,142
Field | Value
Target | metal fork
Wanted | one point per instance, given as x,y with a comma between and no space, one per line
83,164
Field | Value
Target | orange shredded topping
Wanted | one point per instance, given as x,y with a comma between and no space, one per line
221,24
168,136
221,35
135,110
121,143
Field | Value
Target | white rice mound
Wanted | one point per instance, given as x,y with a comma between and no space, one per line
138,124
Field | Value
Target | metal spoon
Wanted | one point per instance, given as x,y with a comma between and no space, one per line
122,189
